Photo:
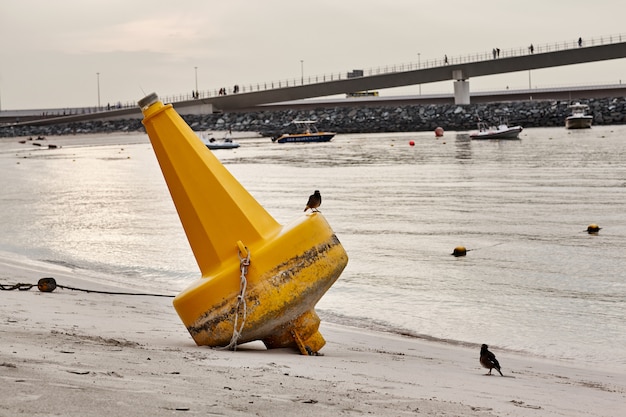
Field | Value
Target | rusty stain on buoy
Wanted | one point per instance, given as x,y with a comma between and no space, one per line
459,251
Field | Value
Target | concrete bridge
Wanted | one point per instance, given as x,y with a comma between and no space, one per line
459,70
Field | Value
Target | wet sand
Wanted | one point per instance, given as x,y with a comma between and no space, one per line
74,353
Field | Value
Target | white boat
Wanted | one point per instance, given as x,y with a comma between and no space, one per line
213,144
501,131
578,119
305,131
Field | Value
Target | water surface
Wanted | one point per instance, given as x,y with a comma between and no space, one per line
533,280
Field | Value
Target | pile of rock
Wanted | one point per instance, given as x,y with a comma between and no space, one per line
400,118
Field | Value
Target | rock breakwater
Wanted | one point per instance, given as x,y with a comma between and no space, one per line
370,119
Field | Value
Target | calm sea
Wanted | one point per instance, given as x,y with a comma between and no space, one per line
533,280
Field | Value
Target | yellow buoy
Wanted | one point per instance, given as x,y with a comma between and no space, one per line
259,280
459,251
593,228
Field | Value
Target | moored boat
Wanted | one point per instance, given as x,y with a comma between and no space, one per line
221,144
501,131
305,131
213,144
578,119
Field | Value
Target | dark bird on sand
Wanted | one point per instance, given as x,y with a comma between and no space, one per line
488,360
314,202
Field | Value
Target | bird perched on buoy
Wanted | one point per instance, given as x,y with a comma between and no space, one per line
593,228
488,360
315,200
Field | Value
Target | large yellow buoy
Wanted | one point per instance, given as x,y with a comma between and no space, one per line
259,280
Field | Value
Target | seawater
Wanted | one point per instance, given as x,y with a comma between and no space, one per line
533,280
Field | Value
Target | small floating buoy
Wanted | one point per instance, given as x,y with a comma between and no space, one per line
439,131
459,251
411,143
46,284
593,229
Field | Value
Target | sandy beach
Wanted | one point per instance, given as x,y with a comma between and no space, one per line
74,353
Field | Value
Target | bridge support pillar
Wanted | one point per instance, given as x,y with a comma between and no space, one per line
461,92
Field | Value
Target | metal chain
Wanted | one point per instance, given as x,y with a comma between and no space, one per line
244,262
49,284
18,286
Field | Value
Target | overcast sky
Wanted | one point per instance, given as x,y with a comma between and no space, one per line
52,50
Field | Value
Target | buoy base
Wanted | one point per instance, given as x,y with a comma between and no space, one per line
301,334
286,277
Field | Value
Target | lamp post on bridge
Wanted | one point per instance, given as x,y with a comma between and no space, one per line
98,84
301,72
419,66
196,91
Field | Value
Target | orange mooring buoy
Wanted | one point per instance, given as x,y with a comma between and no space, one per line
593,229
439,132
459,251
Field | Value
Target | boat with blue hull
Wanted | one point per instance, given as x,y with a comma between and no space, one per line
305,131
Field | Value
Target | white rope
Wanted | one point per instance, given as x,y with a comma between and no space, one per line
244,262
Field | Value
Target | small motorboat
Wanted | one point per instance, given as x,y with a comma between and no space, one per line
501,131
578,119
306,131
213,144
221,144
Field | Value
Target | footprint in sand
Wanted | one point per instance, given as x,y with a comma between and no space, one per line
522,404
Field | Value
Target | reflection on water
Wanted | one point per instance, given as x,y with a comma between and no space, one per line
463,145
533,280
